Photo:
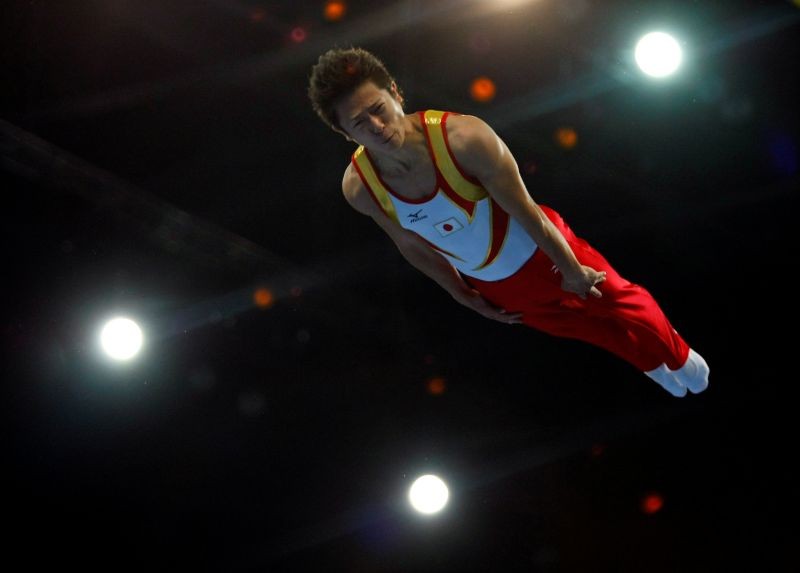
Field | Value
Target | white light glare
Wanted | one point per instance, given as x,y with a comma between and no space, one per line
428,494
121,338
658,54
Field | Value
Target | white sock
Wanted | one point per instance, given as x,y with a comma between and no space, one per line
667,380
694,373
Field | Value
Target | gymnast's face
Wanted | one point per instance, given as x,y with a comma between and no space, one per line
373,117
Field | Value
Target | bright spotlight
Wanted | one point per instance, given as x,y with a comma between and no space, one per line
428,494
121,338
658,54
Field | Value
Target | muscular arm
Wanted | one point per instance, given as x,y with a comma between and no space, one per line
478,148
419,254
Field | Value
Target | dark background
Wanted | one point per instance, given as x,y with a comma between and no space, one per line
160,159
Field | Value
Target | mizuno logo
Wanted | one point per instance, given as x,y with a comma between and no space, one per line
415,217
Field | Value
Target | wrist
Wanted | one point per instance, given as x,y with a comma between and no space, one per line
464,295
571,270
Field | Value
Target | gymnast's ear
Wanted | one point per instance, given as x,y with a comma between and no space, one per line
396,94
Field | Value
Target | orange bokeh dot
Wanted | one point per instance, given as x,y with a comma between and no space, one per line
335,10
436,386
263,298
652,503
566,137
482,89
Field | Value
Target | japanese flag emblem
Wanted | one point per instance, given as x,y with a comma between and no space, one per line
448,227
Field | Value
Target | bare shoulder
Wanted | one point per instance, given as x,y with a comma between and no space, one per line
472,140
464,130
354,191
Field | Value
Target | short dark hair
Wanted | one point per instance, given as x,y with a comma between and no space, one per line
337,73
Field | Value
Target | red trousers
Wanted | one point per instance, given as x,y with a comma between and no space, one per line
626,321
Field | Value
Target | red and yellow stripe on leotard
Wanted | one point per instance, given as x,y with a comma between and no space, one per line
499,232
373,183
462,190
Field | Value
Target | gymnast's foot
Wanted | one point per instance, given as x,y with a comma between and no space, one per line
667,380
694,373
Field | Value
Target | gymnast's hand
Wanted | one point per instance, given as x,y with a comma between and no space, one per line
584,283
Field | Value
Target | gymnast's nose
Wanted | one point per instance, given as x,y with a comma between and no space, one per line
377,124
